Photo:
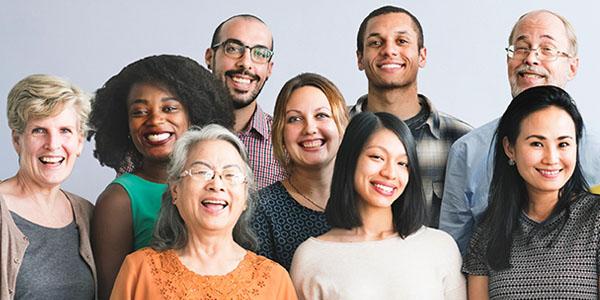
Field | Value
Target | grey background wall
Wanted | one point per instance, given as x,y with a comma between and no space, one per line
89,41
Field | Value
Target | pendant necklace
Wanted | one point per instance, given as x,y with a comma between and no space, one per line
306,198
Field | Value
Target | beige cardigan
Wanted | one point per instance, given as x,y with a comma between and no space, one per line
13,243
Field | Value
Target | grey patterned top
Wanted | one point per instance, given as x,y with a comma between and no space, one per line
282,224
555,259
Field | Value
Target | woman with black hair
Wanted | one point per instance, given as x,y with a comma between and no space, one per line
378,247
539,237
136,118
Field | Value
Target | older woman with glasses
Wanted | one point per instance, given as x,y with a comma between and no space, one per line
309,121
45,243
201,236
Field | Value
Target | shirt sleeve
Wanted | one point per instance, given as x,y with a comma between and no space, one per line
455,214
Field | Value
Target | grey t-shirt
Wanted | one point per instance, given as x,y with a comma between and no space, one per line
52,267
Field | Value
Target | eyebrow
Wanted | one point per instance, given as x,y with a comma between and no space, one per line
203,163
318,109
541,137
144,101
525,37
242,43
377,34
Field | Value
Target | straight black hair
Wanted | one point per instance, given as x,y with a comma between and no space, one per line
342,208
508,191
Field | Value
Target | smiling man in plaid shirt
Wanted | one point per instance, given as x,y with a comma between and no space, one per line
240,56
390,50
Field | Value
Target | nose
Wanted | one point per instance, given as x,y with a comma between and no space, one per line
246,60
310,126
551,156
216,184
390,170
532,57
389,49
52,141
156,117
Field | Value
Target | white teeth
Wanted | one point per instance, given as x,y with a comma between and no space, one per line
384,188
391,66
214,202
158,137
51,160
241,80
549,173
531,76
311,144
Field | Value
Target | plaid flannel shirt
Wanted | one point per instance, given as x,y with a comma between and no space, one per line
257,139
434,138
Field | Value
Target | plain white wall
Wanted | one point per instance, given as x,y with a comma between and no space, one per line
89,41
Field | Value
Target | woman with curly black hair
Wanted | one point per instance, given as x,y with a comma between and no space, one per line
136,118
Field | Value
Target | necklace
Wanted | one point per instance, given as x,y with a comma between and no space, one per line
306,198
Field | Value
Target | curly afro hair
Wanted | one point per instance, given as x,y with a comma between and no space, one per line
204,97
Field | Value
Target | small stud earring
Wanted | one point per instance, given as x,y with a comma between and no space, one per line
511,162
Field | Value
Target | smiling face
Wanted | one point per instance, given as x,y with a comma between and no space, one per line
539,30
48,148
211,205
391,57
243,77
545,151
381,171
310,134
156,120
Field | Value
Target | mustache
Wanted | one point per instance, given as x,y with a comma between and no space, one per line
242,72
531,69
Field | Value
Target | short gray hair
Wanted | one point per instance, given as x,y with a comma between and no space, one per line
170,231
570,31
41,96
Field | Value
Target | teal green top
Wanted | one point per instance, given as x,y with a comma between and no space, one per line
145,197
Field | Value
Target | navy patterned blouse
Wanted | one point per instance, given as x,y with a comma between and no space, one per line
282,224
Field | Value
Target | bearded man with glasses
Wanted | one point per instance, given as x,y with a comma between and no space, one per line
240,56
542,51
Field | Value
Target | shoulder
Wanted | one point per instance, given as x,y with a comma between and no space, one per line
477,138
113,195
263,264
272,195
81,206
454,124
142,257
441,239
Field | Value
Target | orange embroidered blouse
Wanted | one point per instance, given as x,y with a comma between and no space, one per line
148,274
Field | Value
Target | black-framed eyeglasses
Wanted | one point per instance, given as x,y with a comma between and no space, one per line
544,53
236,49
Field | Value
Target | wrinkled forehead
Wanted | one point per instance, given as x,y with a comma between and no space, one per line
247,30
539,27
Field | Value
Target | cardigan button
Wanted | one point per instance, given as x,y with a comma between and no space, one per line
16,260
10,291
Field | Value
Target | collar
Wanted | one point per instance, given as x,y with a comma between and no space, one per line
259,123
433,121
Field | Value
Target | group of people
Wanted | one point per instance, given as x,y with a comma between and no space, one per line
216,199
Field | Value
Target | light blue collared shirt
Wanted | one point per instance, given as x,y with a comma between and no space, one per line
469,173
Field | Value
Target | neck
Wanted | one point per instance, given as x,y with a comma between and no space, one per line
210,254
540,206
24,188
243,116
377,224
155,171
313,183
401,102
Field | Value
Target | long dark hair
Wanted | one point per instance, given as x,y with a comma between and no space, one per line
342,208
508,192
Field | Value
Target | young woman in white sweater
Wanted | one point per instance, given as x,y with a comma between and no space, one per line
378,247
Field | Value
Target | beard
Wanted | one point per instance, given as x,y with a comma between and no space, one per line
241,101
